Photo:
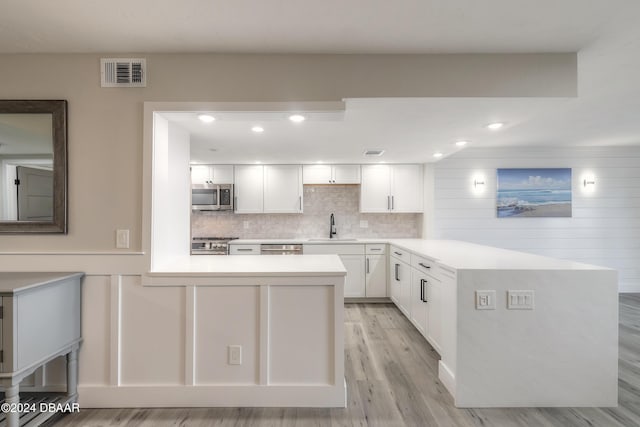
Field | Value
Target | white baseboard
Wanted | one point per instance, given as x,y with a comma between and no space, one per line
447,378
312,396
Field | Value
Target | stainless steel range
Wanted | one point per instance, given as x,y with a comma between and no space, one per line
210,245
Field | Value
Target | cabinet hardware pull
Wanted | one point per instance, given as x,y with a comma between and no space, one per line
422,290
244,250
300,201
397,272
392,203
375,249
397,253
422,265
367,265
388,203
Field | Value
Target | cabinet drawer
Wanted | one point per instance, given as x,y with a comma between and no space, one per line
401,254
423,264
244,249
375,249
324,249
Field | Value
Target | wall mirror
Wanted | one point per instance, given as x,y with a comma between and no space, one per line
33,166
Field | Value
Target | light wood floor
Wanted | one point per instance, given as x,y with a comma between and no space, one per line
392,381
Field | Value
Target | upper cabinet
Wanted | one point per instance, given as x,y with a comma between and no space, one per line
283,189
268,189
211,174
249,188
331,174
392,188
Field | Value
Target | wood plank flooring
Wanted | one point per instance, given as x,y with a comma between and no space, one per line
392,381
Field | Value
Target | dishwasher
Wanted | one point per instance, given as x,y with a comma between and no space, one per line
277,249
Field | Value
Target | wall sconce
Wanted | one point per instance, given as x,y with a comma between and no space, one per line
589,182
478,183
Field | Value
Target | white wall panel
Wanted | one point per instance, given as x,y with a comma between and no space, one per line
153,329
605,226
238,306
301,330
94,358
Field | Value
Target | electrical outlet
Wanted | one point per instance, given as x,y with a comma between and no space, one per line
364,223
235,355
485,300
122,239
520,300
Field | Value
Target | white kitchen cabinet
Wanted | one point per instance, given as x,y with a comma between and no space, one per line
376,270
249,188
355,283
392,188
375,189
352,256
331,174
282,189
420,306
400,284
212,174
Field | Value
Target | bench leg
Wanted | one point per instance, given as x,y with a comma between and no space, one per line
12,397
72,373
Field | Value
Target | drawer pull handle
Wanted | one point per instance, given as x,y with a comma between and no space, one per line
244,250
397,253
422,265
375,249
397,272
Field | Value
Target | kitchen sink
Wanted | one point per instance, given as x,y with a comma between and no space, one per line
326,239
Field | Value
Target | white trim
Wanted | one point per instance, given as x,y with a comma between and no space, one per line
115,353
223,395
263,369
447,378
190,334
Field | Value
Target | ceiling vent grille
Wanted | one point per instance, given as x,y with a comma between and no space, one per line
376,153
123,72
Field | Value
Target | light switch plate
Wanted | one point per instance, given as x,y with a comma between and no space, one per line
122,239
520,300
485,300
235,355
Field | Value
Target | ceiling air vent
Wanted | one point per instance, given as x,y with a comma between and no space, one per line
376,153
123,72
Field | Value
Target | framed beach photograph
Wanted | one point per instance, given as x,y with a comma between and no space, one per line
538,193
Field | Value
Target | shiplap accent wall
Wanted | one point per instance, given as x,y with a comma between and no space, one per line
605,226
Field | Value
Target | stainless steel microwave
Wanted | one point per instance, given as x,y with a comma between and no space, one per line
212,197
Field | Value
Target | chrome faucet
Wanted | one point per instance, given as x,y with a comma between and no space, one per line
332,227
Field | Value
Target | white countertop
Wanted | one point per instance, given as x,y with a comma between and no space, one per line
453,253
254,266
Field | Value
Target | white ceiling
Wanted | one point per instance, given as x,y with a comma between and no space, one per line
605,33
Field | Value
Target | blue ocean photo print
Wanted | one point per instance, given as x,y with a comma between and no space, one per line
540,192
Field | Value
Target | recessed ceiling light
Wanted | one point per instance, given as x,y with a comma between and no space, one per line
206,118
213,150
297,118
438,154
495,126
257,129
374,153
462,143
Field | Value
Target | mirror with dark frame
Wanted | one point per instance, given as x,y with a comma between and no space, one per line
33,166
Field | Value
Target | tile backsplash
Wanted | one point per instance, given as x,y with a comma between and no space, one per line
320,201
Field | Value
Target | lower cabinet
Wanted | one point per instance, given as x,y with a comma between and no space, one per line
355,283
400,284
433,290
420,307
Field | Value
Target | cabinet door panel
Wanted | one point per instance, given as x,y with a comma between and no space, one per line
407,188
249,189
395,289
222,174
404,272
346,174
283,189
200,174
419,308
376,276
355,281
316,174
375,190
